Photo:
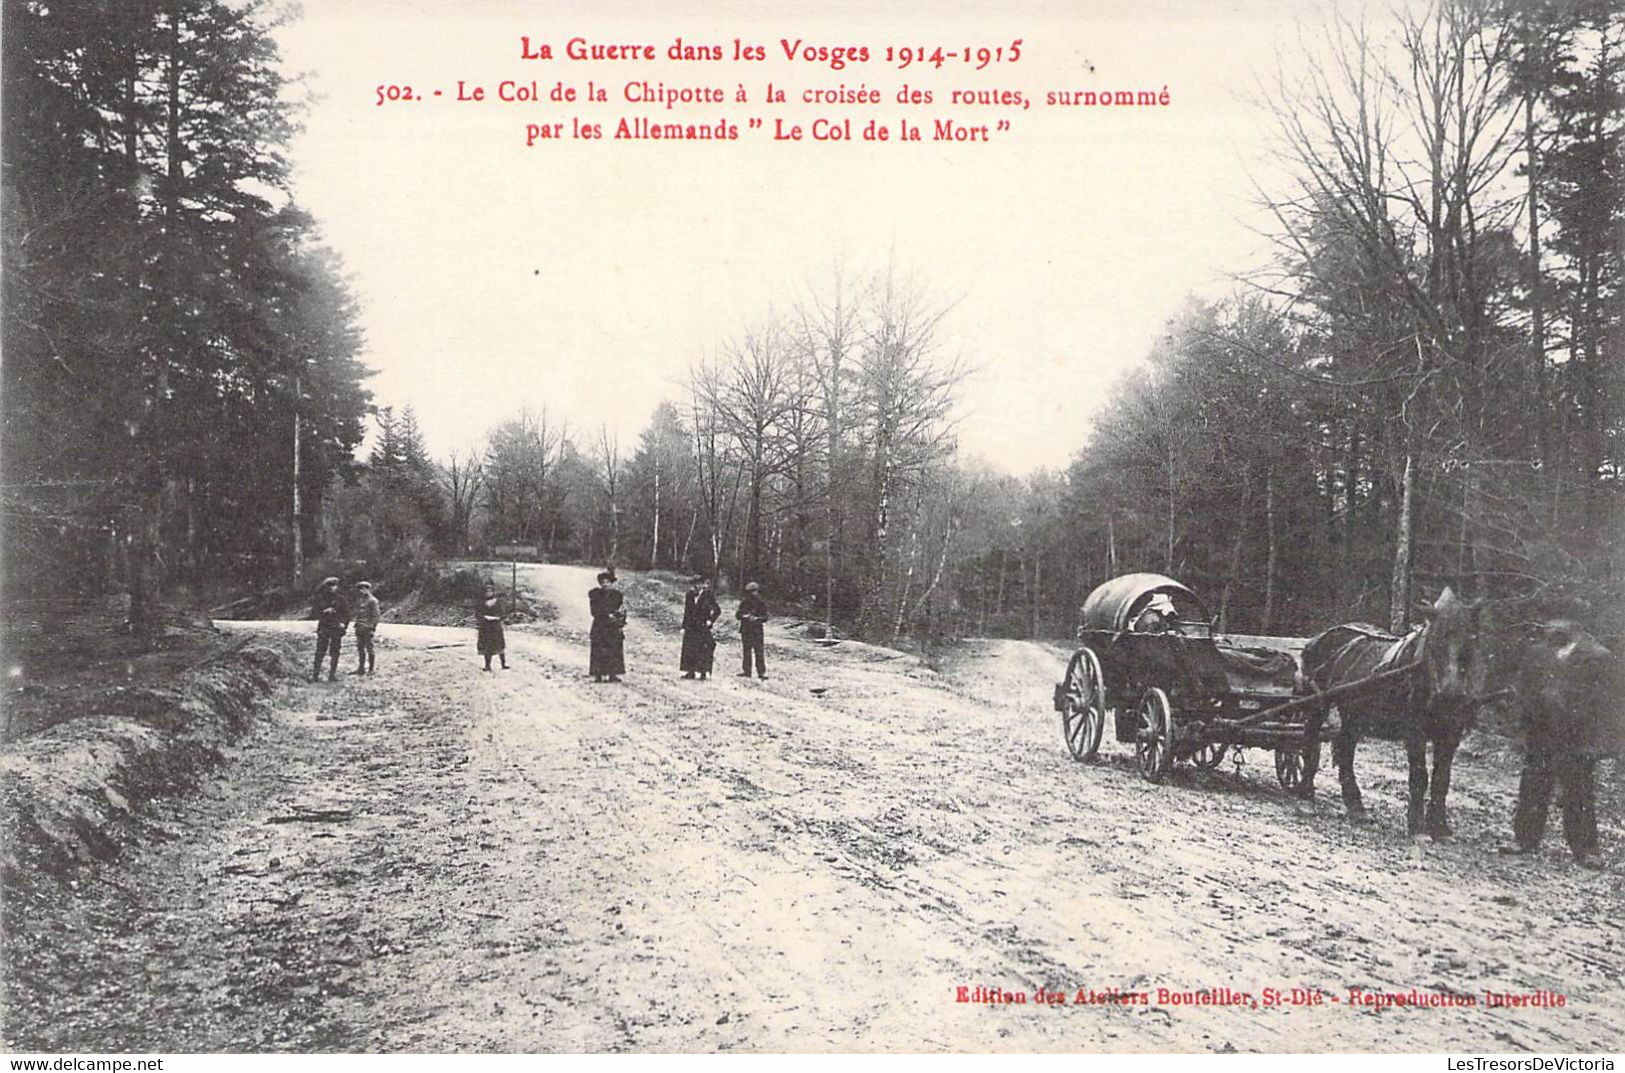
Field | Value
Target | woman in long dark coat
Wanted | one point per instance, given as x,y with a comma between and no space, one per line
607,658
488,621
700,610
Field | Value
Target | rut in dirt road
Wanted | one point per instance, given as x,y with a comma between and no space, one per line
439,859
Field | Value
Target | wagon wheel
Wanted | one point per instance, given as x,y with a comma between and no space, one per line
1295,768
1154,744
1083,711
1210,756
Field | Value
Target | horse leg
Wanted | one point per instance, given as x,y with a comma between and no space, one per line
1316,721
1343,753
1444,753
1416,752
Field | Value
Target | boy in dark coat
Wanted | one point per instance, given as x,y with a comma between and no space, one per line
751,614
700,611
367,614
332,617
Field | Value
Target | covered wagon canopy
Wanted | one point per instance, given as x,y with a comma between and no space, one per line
1114,603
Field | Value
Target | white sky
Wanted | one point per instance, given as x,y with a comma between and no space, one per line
587,276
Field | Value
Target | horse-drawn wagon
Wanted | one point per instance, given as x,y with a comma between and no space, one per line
1176,689
1185,691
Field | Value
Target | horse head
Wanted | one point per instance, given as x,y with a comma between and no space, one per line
1450,648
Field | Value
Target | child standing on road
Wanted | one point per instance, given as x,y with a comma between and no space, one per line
751,614
488,623
366,623
332,617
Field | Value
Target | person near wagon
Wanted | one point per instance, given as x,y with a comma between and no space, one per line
492,641
1566,692
700,613
606,659
1158,616
752,614
367,614
332,618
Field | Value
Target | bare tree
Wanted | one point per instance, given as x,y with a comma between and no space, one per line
461,478
907,395
710,454
1395,228
520,458
750,395
609,464
831,328
801,444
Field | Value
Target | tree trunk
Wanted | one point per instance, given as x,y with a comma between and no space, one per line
874,601
1399,597
942,565
1004,558
1351,487
1038,588
832,424
1271,561
654,544
907,588
1464,550
1537,313
753,517
298,520
803,523
1170,558
688,542
1233,576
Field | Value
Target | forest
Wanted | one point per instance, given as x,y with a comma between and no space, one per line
1422,386
173,323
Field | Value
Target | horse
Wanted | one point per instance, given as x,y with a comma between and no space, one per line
1431,703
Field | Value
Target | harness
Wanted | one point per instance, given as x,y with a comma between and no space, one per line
1400,657
1402,651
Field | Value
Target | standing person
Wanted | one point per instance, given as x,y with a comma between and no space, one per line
607,656
700,612
366,623
488,620
1567,694
751,614
332,616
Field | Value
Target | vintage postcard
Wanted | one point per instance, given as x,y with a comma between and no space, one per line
753,527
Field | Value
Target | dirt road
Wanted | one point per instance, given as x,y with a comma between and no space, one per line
439,858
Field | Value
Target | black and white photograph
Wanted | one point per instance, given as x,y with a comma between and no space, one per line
862,528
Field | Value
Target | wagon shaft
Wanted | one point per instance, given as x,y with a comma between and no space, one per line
1329,695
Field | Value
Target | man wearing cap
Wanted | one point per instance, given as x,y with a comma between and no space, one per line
332,617
366,622
1159,616
700,611
751,614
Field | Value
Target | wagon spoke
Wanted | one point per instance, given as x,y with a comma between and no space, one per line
1082,708
1154,747
1295,768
